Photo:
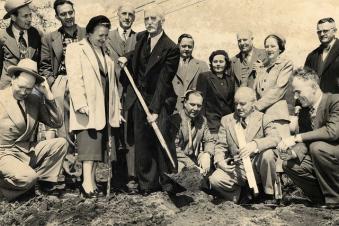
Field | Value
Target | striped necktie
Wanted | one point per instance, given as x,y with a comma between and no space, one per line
22,45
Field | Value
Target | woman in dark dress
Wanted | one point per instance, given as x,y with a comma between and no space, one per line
217,87
94,98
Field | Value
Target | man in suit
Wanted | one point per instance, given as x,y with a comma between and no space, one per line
325,59
121,41
19,40
312,155
154,63
25,102
243,66
52,65
189,68
260,136
194,142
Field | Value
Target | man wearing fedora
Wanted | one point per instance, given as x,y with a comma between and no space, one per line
19,40
27,101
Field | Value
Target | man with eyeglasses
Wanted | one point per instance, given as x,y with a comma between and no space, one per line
52,65
19,40
325,59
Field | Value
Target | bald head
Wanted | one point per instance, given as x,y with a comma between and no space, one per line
243,100
245,41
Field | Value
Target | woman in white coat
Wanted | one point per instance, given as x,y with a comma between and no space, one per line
95,104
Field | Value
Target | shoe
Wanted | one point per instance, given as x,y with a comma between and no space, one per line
99,193
329,206
269,200
87,195
50,188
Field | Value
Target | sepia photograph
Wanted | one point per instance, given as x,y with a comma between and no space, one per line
169,112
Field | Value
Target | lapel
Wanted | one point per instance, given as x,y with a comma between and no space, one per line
231,130
88,51
331,55
116,42
192,70
321,111
56,38
237,66
254,125
138,45
11,43
156,53
34,42
10,105
31,111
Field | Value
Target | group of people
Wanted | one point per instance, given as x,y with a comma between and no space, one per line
253,107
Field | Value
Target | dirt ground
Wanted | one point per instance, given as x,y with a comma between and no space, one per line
191,207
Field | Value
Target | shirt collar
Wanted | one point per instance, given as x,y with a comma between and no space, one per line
156,38
121,32
16,33
249,55
74,35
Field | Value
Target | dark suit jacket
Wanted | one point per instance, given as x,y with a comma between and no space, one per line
216,104
249,77
52,51
156,84
117,48
329,76
9,51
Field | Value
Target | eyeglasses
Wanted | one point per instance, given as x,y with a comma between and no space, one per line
324,31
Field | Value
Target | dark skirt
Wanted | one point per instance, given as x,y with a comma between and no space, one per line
91,144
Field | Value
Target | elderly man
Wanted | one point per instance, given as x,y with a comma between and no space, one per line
52,64
19,40
189,68
194,143
325,59
121,41
260,137
154,63
243,65
27,101
312,155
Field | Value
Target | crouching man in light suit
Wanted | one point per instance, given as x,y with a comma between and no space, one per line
260,137
27,101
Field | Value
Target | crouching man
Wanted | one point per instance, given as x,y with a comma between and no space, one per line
258,136
27,101
194,143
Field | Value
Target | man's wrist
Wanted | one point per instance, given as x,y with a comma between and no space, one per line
298,138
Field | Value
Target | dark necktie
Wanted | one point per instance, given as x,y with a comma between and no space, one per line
312,116
148,46
243,123
22,45
22,110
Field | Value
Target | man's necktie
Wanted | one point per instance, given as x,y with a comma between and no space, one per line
312,116
243,123
22,110
124,36
148,46
22,45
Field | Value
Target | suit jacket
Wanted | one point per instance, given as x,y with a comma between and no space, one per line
329,76
15,133
86,88
118,48
9,51
184,80
216,104
273,88
156,84
52,51
202,140
246,77
258,129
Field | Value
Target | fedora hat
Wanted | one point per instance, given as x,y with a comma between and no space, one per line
12,5
26,65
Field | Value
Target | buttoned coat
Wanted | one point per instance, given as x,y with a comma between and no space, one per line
258,130
15,133
10,54
329,76
86,88
184,80
246,80
52,51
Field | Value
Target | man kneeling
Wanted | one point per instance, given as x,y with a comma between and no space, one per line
260,137
27,101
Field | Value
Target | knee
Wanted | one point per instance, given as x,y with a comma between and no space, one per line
315,148
268,156
27,179
218,178
61,145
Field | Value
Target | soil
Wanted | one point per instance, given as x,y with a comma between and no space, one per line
191,207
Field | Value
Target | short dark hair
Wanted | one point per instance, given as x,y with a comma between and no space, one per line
181,37
281,42
306,73
100,20
220,52
325,20
61,2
